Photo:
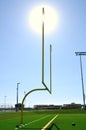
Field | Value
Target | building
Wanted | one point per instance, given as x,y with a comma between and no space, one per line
39,107
71,106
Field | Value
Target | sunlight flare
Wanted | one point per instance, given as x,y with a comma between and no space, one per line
49,17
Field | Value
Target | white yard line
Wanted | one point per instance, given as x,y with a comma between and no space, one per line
37,120
33,121
44,128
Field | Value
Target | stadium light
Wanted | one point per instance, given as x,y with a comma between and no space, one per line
83,93
80,53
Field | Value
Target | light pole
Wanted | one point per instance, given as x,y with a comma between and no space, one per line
83,93
5,102
17,96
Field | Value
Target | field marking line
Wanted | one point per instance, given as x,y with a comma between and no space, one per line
37,120
34,121
44,128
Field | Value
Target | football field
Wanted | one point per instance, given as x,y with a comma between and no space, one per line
44,120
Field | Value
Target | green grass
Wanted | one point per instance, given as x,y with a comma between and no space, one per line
64,121
38,119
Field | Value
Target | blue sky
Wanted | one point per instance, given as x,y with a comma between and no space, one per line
20,52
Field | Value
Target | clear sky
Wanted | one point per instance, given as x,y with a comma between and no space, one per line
20,52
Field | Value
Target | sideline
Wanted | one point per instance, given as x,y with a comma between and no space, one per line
44,128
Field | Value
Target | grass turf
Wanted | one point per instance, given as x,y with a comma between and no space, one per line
65,121
36,120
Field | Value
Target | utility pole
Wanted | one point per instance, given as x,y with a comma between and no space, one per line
83,93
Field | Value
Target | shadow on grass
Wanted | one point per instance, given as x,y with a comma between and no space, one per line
53,125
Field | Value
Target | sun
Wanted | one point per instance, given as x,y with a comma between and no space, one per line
36,17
